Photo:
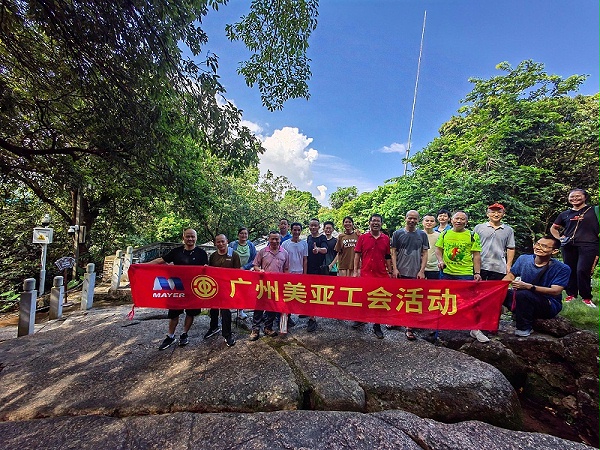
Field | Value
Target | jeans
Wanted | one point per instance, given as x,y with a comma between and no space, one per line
529,306
262,317
490,275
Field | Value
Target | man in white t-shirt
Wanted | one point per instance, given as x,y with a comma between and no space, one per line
297,250
298,255
431,269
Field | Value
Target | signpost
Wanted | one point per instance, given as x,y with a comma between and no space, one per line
65,263
43,235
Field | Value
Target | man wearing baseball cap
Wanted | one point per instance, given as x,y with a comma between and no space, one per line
497,244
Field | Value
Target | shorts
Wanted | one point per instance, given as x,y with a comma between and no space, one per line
175,313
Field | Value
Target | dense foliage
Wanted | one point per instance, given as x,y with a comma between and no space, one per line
299,206
277,28
519,139
105,120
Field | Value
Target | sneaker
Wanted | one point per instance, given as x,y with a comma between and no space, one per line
291,323
312,325
183,340
254,335
588,302
357,325
377,331
230,341
476,334
270,333
522,333
167,343
211,333
569,298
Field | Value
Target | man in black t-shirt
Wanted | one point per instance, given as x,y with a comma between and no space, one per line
186,255
317,248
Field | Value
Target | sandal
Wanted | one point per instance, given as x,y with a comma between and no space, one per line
410,335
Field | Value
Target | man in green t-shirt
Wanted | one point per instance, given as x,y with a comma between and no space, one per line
458,252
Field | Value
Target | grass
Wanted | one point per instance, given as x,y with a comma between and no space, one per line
583,316
9,301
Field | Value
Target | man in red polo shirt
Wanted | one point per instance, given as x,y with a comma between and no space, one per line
373,249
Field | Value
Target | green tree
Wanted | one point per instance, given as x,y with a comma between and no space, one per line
342,195
520,139
299,206
326,214
244,199
99,103
273,29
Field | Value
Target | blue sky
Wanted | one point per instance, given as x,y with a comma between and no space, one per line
354,129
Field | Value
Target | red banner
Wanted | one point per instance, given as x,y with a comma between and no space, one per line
434,304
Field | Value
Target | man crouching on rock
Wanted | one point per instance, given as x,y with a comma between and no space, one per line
537,284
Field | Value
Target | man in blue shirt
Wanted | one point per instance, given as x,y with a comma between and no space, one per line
284,227
537,284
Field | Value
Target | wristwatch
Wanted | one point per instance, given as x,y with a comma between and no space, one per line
532,288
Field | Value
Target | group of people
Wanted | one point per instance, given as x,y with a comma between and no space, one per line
448,250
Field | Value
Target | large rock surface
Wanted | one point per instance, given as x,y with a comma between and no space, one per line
556,368
98,364
275,430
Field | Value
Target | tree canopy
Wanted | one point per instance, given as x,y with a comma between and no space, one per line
519,139
342,195
277,28
299,206
117,107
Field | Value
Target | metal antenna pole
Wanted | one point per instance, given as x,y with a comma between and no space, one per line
412,115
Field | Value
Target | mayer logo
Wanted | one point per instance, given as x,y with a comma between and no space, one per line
168,284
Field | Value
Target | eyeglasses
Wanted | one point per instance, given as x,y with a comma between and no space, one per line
543,246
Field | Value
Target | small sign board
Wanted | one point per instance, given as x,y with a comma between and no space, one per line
66,262
42,235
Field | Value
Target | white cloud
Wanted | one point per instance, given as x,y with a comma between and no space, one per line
288,153
322,193
394,148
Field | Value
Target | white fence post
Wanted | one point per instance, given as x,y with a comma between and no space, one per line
117,271
127,262
27,306
87,291
56,298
